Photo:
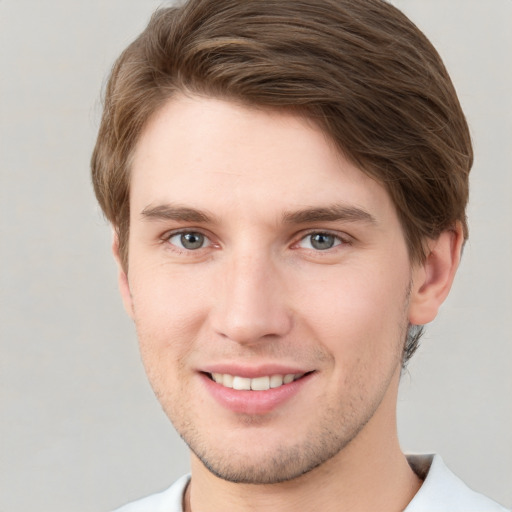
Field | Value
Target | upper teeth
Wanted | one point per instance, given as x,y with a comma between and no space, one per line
256,384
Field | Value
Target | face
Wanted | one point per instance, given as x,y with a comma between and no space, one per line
269,282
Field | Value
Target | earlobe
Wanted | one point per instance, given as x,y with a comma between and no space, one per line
122,278
432,280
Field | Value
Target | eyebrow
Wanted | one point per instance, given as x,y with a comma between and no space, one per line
307,215
175,212
329,214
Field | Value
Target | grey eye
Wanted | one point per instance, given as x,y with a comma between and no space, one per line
188,240
320,241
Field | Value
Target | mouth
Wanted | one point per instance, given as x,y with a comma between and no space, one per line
253,390
262,383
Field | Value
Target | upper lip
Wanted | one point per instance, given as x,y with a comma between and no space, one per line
254,371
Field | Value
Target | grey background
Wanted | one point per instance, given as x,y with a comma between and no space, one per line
80,429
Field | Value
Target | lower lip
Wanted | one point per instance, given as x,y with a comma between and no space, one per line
254,402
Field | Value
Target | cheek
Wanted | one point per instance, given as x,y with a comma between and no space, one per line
169,309
359,315
166,315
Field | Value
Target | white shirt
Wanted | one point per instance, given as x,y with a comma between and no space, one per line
441,491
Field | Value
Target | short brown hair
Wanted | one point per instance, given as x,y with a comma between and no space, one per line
358,68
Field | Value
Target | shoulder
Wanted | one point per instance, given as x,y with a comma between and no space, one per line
169,500
442,491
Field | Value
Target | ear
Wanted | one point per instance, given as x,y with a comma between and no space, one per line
432,280
122,278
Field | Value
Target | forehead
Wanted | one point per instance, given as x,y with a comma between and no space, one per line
217,154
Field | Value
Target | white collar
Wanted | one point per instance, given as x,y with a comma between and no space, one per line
442,491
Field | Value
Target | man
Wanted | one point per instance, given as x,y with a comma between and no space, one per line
287,181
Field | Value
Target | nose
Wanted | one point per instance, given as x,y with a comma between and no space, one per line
251,301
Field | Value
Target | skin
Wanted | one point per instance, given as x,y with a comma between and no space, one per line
257,292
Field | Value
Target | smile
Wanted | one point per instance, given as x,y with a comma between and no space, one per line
256,384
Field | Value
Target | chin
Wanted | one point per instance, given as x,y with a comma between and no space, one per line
264,465
281,467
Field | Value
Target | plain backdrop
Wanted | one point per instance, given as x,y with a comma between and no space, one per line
80,429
